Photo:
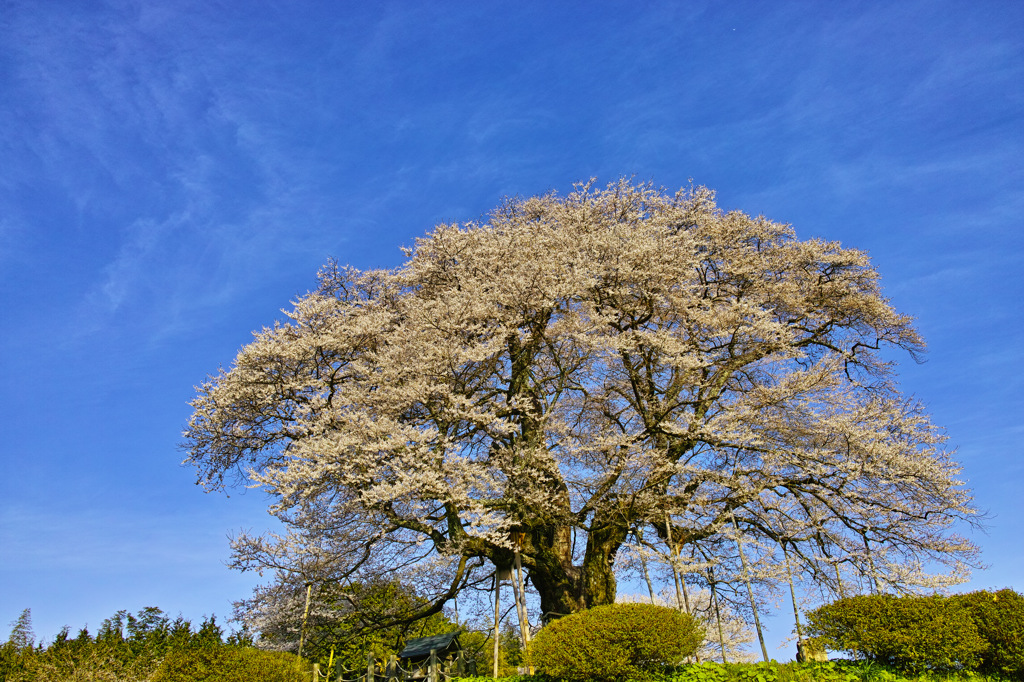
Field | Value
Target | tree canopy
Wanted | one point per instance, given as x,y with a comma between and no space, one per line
340,623
571,369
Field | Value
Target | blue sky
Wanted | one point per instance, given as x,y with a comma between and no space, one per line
173,173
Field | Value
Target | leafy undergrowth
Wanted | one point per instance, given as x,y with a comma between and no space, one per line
832,671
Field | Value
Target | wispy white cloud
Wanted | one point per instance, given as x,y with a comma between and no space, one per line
184,192
167,164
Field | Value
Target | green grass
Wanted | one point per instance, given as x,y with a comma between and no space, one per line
833,671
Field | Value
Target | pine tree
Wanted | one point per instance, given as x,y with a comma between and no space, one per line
22,636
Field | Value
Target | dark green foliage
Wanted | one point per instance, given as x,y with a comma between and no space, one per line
981,631
22,636
479,650
240,638
909,633
127,647
616,642
209,635
359,619
999,617
231,664
13,662
17,653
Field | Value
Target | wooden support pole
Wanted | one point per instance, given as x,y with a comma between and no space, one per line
519,590
305,616
680,582
647,575
792,594
497,620
682,601
750,590
718,613
524,619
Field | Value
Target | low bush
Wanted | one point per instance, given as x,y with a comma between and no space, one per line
231,664
909,633
615,643
999,617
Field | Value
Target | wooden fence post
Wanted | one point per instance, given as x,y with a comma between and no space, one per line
432,667
316,672
392,670
369,667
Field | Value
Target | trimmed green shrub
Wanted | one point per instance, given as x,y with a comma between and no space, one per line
231,664
909,633
999,617
615,643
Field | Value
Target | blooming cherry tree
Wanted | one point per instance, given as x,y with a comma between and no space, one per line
574,368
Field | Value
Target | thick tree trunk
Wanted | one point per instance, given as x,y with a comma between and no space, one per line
598,574
552,572
565,588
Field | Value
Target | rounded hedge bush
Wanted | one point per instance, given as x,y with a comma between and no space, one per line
230,664
999,617
911,633
615,643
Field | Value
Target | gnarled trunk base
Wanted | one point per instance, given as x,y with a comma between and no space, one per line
565,588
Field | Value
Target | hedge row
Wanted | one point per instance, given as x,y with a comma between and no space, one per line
231,664
980,631
145,647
